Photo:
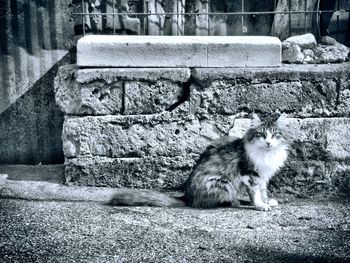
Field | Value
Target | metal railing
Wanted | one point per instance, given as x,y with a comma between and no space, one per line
206,17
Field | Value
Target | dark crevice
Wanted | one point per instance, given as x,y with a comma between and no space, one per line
337,100
186,91
122,110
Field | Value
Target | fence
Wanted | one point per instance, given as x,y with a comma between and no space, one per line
281,18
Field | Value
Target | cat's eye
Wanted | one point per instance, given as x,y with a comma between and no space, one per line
277,135
260,134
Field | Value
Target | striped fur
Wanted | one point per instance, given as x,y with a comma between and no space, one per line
224,167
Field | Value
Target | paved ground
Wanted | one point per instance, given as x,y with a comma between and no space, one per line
57,231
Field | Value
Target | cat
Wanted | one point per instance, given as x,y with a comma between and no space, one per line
227,165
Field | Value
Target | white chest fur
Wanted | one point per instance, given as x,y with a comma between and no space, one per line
266,160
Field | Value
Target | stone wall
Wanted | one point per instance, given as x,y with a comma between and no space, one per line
145,128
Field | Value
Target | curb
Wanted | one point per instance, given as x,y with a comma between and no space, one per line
48,191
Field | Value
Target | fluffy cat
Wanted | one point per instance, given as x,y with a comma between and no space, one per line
224,167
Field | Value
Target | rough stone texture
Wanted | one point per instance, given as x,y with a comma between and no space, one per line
304,90
141,136
151,147
118,91
183,51
111,75
150,172
92,98
293,54
312,178
306,41
309,56
331,54
303,49
148,98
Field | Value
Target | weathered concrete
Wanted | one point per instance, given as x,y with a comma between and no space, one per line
118,91
183,51
303,91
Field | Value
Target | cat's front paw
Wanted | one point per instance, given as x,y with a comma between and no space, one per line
273,202
262,207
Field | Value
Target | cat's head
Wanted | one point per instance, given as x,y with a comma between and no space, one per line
267,132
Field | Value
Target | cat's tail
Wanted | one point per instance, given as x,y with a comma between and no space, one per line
136,197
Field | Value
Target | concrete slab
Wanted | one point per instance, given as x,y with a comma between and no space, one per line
244,51
178,51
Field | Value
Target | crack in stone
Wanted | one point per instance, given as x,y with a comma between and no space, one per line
122,110
186,92
337,100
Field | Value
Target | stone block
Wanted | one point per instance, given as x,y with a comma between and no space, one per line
94,98
304,98
178,51
141,135
306,41
302,178
293,54
205,76
305,91
159,173
163,135
148,98
140,51
118,91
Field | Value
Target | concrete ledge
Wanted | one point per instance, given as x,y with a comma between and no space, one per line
42,190
178,51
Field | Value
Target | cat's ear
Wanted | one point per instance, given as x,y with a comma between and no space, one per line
255,121
281,120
